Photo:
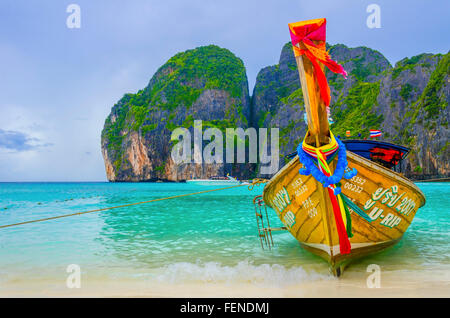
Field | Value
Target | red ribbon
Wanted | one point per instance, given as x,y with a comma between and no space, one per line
344,243
316,53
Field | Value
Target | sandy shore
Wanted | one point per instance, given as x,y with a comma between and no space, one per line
353,284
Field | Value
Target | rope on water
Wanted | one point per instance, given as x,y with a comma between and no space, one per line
126,205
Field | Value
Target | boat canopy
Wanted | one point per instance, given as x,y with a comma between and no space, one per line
385,153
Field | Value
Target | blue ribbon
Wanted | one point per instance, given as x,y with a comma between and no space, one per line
339,172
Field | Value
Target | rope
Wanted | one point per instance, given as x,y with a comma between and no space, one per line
124,205
257,182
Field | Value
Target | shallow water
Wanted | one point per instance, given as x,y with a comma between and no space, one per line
207,238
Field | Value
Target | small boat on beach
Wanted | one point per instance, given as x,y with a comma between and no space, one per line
341,200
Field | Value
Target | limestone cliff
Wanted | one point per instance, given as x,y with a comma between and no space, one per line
408,102
208,83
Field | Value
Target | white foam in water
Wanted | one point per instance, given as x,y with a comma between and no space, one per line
243,272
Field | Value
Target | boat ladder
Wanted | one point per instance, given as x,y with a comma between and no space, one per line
264,229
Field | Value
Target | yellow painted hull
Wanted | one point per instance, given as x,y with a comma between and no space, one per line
389,200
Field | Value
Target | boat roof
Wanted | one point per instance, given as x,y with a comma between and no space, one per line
386,152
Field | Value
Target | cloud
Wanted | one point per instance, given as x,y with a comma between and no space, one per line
19,141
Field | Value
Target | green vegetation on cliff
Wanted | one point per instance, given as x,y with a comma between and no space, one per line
430,100
112,131
406,64
358,115
172,90
183,78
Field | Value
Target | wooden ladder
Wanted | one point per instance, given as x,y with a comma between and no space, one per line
264,232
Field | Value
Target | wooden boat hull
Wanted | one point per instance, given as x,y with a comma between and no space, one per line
389,200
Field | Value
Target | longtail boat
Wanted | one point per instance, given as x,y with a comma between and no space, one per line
338,204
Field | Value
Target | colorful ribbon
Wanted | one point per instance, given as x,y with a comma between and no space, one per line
322,173
315,30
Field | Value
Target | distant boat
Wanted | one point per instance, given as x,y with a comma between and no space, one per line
228,180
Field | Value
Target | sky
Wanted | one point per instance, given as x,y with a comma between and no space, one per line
58,84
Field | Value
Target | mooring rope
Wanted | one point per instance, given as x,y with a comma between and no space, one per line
257,181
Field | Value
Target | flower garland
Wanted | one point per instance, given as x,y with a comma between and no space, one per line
340,171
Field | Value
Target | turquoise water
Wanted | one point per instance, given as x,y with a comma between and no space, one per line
208,237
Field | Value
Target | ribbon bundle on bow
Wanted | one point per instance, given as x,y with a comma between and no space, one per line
322,173
306,32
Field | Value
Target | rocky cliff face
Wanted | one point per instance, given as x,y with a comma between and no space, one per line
208,84
408,102
278,98
420,114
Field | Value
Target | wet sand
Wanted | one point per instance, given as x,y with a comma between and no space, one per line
352,284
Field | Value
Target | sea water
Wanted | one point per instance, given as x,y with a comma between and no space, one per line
209,238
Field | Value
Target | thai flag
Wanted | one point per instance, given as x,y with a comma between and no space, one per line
375,133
